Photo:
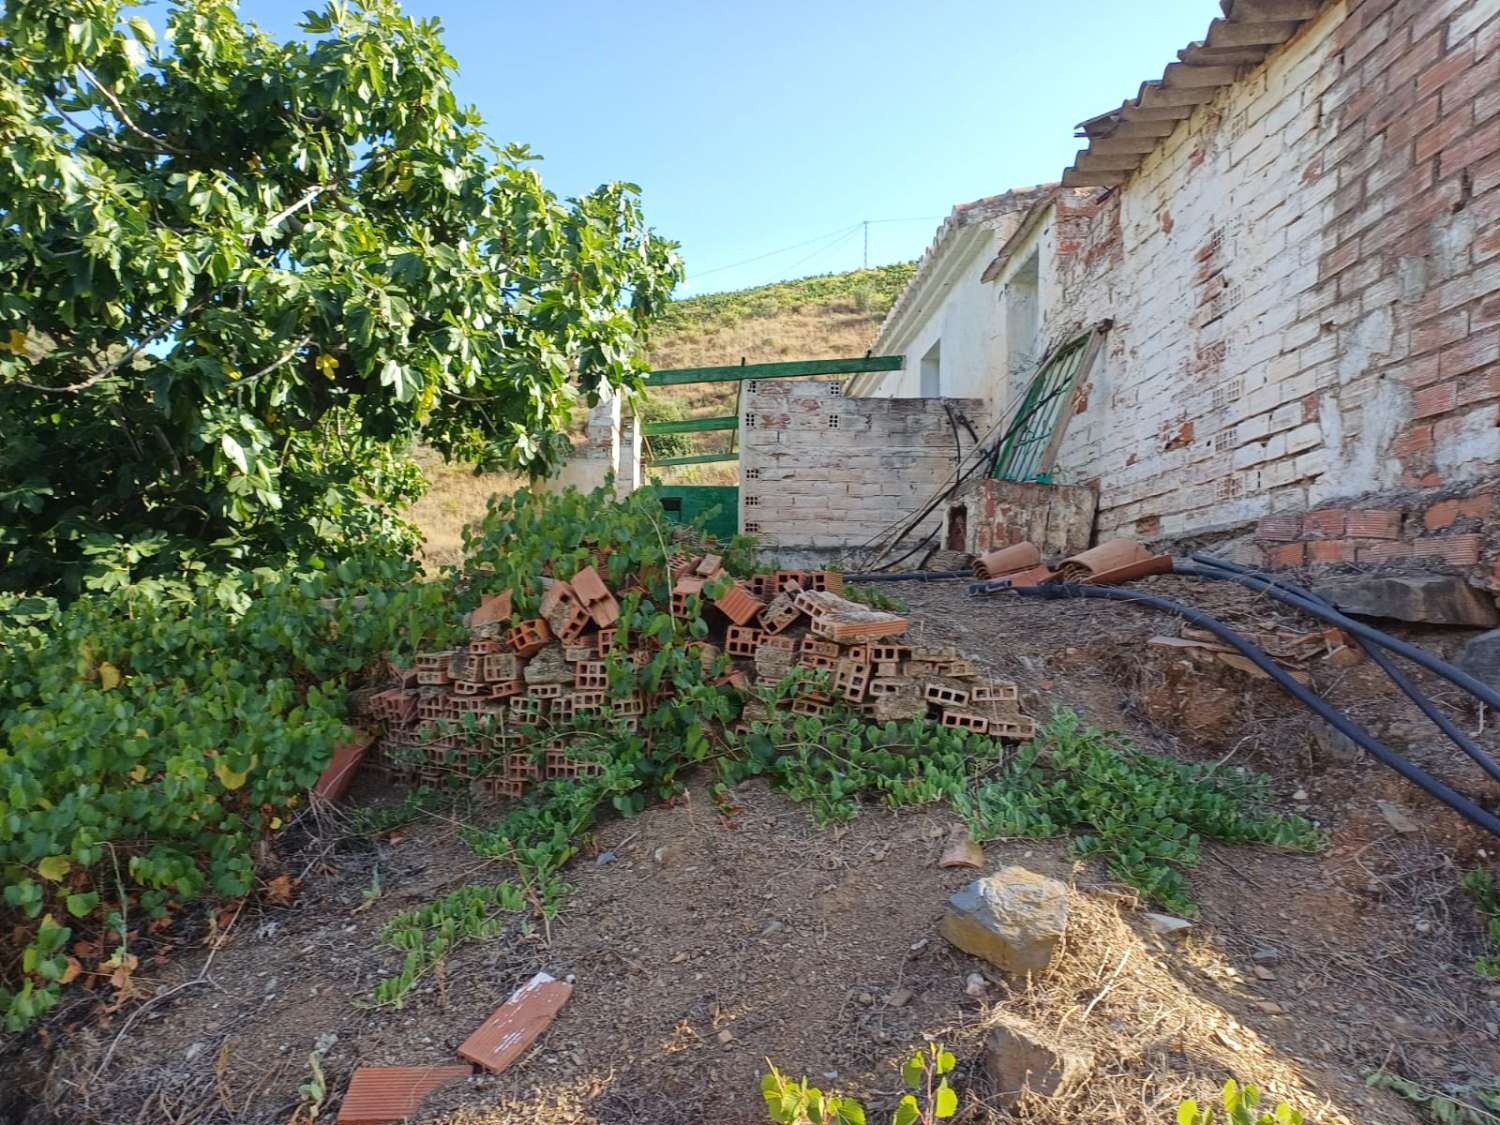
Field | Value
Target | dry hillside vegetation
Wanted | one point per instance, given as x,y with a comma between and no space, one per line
825,317
812,318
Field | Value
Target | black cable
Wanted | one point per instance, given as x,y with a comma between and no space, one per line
1340,722
1416,655
928,538
1234,573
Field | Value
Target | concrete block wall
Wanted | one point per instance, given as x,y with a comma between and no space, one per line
818,469
1305,284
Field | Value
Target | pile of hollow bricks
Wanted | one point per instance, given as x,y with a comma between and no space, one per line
804,623
499,709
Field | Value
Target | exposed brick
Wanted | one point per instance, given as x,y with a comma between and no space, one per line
1384,552
1439,332
1482,142
1438,399
1374,524
1327,523
1477,507
1331,550
1455,550
1287,554
1283,527
1444,71
1476,351
1449,130
1415,442
1440,515
1479,388
1417,58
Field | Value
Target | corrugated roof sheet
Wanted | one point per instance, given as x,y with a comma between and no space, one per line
1122,138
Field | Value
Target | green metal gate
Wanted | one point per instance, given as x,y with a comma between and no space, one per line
686,502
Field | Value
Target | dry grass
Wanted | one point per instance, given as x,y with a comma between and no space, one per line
1145,1012
818,318
814,318
455,499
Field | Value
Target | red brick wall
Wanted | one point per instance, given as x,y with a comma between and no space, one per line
1416,219
1455,530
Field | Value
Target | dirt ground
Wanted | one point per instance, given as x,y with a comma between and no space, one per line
701,946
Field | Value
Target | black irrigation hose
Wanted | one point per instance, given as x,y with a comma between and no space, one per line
1233,573
1333,717
908,576
1453,675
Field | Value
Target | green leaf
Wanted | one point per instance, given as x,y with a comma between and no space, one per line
1187,1113
945,1101
945,1062
82,905
54,867
914,1070
235,452
908,1112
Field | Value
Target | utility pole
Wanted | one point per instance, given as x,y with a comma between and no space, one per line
867,244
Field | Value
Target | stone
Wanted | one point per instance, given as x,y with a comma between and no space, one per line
1013,919
1165,925
1439,599
1021,1058
1480,658
900,998
977,986
1335,745
1396,818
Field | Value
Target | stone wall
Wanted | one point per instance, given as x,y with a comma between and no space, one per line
1305,284
821,470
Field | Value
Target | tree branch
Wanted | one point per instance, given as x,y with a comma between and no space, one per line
285,358
110,368
124,117
312,193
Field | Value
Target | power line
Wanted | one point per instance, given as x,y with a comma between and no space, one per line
835,244
816,238
773,253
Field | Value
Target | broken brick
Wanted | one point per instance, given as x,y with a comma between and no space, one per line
381,1095
780,613
595,597
737,604
493,611
687,587
516,1024
337,777
529,637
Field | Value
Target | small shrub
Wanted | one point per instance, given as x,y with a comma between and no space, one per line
1486,895
1473,1104
875,598
1239,1109
933,1100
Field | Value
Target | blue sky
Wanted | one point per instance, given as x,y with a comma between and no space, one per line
754,127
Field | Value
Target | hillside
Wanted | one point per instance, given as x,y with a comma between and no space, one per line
810,318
